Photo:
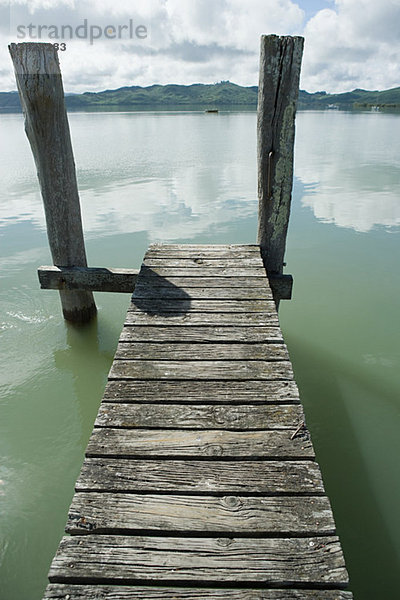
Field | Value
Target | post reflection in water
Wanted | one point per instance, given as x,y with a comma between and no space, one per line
87,363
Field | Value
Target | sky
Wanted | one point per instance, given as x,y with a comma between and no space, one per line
114,43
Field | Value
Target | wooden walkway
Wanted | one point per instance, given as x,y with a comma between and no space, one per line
199,479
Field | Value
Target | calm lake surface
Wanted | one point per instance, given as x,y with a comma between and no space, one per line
191,177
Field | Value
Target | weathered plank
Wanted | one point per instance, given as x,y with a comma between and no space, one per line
182,351
88,278
285,561
237,392
247,262
87,592
209,249
123,281
207,281
267,444
280,285
186,416
229,272
98,279
203,319
201,333
101,513
201,476
185,305
145,289
201,369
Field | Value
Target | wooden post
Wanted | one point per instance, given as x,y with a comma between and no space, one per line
280,62
39,82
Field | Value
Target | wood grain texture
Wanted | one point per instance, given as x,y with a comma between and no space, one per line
204,262
280,62
99,592
88,278
203,250
284,561
184,305
201,369
202,351
204,319
129,443
201,333
278,284
237,392
207,249
206,281
146,289
230,272
39,82
131,513
239,417
199,470
201,476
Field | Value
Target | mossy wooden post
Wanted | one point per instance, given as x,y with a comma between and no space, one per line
280,62
39,82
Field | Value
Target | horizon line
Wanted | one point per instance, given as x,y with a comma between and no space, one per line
214,83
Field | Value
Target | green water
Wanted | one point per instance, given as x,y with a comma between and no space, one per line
190,176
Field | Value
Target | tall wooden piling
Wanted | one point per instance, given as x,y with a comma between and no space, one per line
40,87
280,62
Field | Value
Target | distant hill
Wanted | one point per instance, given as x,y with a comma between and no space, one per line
10,100
208,96
198,94
357,99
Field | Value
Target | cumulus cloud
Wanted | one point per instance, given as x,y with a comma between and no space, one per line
355,44
197,41
231,23
349,43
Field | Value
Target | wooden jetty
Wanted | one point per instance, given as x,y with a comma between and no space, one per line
199,479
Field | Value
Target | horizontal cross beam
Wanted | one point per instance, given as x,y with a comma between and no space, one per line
98,279
281,286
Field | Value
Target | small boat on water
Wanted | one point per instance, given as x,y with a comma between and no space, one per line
211,110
